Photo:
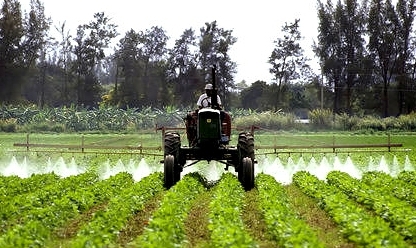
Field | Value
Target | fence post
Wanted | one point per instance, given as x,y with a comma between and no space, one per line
388,141
82,144
27,142
163,139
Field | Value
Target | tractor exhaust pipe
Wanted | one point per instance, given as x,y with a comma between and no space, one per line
214,100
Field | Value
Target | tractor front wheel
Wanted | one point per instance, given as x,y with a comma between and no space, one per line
172,167
169,171
247,173
245,168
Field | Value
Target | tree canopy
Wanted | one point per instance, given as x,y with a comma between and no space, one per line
366,50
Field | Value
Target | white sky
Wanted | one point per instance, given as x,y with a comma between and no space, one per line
255,24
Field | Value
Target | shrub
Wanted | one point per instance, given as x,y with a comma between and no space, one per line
393,123
321,118
346,122
371,123
8,125
408,122
44,127
268,119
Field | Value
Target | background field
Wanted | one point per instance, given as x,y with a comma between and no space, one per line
153,140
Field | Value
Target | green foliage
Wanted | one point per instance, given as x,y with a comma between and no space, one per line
22,118
268,120
79,119
345,122
225,223
371,123
390,185
104,228
51,207
407,122
166,228
408,176
42,127
397,212
375,211
356,224
8,125
280,218
321,118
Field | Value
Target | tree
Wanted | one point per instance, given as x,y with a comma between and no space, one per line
127,57
141,59
214,45
287,59
383,27
341,49
253,96
406,15
36,34
327,49
183,69
11,52
153,55
91,40
351,18
64,60
36,45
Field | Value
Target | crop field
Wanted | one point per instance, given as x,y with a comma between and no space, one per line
302,197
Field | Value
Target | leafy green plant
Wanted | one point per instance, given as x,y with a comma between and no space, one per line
104,228
408,177
407,122
390,185
356,223
371,123
36,226
398,212
280,219
166,228
225,223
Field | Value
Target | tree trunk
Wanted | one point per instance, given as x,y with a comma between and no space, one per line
385,100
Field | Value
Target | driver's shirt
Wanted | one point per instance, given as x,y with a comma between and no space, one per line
205,101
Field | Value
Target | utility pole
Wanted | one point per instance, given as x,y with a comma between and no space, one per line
322,88
322,91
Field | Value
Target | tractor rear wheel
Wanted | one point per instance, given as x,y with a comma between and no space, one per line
172,168
246,158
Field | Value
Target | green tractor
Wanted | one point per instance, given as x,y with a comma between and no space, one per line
209,131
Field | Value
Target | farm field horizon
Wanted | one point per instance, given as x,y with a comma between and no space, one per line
313,197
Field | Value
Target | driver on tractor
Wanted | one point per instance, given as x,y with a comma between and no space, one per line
204,101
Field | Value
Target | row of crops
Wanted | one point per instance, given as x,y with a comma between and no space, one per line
45,210
69,119
112,119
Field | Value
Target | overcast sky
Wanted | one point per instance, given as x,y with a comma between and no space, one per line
255,24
